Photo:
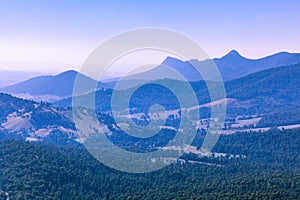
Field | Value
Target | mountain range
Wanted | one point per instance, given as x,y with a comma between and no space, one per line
231,66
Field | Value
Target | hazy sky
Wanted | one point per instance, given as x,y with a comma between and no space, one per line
55,35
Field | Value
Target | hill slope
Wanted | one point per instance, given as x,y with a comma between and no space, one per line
32,121
267,89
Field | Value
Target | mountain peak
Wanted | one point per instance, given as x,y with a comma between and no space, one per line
232,56
233,53
69,72
171,61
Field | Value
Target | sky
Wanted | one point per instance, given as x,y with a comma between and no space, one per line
56,35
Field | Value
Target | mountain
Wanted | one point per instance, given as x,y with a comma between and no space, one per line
33,121
231,66
47,88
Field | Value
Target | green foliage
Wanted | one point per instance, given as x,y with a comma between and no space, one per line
271,170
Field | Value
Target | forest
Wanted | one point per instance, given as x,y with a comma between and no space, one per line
269,170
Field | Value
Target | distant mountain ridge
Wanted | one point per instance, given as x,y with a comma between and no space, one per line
47,88
231,66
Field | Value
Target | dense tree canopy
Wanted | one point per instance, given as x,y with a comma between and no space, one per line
270,170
